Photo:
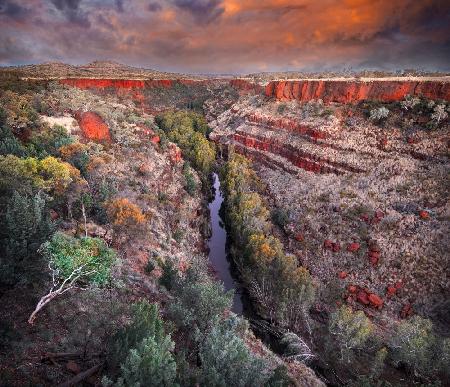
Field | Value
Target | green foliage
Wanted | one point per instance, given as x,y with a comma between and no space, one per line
199,301
280,378
88,256
281,108
280,217
190,183
20,113
178,235
415,345
351,330
47,142
26,227
284,290
30,174
379,114
145,321
9,144
189,130
226,361
143,351
169,274
101,192
150,266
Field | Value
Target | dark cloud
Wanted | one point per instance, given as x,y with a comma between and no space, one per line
72,11
66,4
13,51
154,7
229,35
119,6
13,10
202,10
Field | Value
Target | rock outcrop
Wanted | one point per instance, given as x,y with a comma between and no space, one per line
350,91
93,127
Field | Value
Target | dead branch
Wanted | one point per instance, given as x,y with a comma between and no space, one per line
81,376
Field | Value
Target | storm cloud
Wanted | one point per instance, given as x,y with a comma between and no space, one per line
226,36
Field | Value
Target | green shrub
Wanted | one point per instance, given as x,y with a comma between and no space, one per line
198,302
143,351
9,144
189,130
88,255
26,226
145,321
169,274
150,266
351,331
280,217
47,142
190,183
226,361
415,345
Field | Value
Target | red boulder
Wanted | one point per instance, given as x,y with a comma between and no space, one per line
363,298
425,215
327,244
375,301
353,247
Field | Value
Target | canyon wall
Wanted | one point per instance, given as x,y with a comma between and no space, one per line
348,91
97,83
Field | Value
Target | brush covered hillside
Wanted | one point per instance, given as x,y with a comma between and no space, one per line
335,205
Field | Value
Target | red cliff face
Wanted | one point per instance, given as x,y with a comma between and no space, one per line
245,86
93,127
287,125
300,159
92,83
354,91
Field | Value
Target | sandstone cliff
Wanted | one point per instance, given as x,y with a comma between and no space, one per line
348,91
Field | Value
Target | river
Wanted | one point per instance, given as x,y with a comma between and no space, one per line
217,248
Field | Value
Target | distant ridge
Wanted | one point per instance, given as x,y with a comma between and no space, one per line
95,69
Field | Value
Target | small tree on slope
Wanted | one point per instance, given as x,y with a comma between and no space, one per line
74,263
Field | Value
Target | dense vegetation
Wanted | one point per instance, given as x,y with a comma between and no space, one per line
283,289
285,292
189,131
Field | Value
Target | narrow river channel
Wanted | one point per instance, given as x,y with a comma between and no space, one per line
217,248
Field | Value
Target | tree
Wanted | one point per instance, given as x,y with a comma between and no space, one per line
189,130
226,361
28,174
47,141
379,114
439,114
143,351
415,345
295,347
27,226
125,216
198,300
350,329
74,263
77,155
9,144
150,364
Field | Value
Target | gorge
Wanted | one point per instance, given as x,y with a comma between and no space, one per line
337,216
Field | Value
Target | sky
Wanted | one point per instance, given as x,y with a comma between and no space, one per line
229,36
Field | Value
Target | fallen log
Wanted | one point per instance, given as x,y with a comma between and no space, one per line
81,376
